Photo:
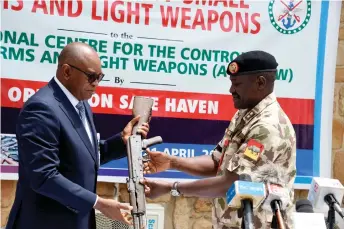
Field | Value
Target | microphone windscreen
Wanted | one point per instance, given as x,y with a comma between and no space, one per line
271,173
245,177
304,206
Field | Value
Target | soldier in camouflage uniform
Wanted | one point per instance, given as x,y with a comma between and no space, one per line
260,133
267,128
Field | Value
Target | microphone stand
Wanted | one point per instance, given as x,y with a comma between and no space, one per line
331,214
277,220
247,218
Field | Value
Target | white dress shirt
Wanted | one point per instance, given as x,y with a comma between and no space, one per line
74,101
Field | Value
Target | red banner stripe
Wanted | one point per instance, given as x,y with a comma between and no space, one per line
172,104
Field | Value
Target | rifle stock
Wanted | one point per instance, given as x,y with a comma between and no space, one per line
135,146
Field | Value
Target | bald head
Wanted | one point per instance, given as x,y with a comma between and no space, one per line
76,52
78,67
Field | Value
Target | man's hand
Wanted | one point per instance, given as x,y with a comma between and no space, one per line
154,189
112,209
158,162
143,130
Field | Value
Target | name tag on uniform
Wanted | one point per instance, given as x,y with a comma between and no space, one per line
253,150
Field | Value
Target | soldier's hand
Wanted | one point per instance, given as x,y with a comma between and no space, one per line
154,189
158,162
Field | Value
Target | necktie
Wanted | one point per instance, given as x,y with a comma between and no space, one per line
80,106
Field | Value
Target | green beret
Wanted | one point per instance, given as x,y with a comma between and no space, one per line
252,62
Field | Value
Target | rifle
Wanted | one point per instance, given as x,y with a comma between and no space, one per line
135,145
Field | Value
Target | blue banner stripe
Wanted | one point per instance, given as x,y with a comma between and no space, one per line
304,160
179,175
187,131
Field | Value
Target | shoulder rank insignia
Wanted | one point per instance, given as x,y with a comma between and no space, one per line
253,150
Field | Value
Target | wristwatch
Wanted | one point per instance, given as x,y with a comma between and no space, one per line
174,190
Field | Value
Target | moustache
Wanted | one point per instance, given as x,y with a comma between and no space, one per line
236,96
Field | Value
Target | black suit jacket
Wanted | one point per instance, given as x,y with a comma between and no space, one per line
58,165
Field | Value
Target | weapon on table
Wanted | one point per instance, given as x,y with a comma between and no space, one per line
135,145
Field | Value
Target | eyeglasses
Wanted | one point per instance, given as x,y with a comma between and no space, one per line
91,76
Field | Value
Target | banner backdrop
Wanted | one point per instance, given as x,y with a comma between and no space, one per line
176,52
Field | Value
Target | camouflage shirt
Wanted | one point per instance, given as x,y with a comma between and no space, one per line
265,129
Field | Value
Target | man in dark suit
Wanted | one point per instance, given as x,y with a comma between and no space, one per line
58,150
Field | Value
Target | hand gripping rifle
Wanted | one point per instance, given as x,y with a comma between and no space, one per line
135,145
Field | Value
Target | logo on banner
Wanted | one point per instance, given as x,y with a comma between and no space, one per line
289,16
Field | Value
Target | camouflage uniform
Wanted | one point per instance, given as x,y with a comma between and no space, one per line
267,125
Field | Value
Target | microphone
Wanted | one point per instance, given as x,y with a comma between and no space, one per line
246,195
277,200
304,217
332,201
304,205
327,191
278,197
271,173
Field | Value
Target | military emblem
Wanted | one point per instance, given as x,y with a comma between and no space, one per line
233,68
253,150
289,16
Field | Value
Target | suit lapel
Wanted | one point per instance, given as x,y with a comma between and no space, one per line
73,116
93,128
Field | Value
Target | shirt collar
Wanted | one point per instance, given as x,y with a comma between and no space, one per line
74,101
249,114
